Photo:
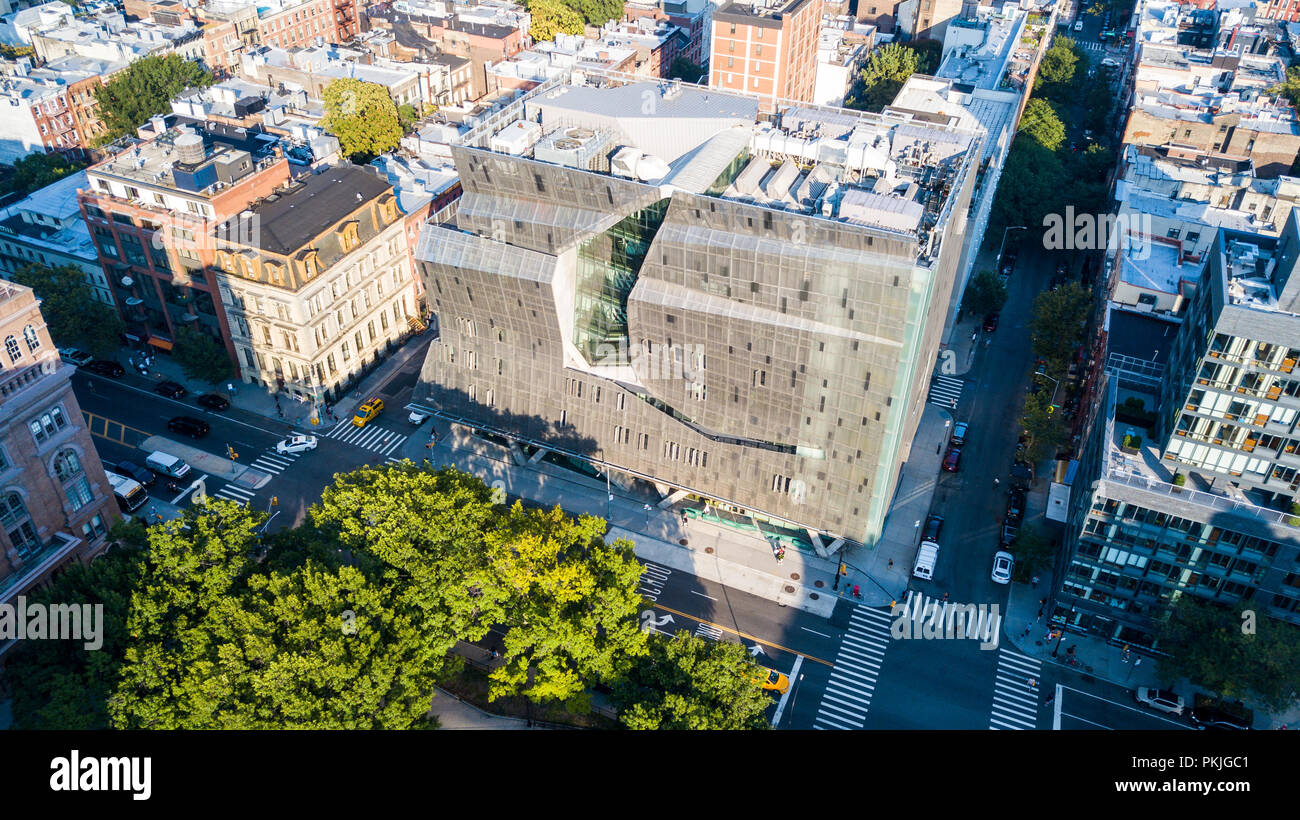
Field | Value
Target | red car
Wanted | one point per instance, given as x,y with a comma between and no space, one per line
951,459
990,323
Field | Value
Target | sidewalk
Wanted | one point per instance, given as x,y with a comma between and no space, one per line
891,562
264,400
454,713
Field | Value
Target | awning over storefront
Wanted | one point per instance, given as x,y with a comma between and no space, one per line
161,344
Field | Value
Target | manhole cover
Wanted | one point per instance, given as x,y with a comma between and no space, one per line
794,576
682,542
819,584
709,550
812,596
789,588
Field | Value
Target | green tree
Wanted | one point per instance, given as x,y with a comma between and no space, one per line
1061,71
144,88
35,171
59,684
985,294
1033,184
1034,553
551,17
362,116
1058,325
929,54
73,317
1213,646
596,12
685,682
1043,124
572,611
407,117
684,69
1043,426
880,79
1290,87
201,357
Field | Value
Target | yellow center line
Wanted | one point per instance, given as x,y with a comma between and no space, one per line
738,633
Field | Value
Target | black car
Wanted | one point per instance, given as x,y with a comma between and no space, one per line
1009,532
105,367
1016,506
933,526
189,426
171,390
213,401
1212,713
130,469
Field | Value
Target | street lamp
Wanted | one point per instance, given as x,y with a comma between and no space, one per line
998,263
1055,386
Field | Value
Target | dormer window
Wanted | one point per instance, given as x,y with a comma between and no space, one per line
310,263
348,235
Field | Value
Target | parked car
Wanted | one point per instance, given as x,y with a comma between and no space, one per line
134,471
1162,700
1021,475
1002,563
933,526
959,433
296,444
1009,533
951,459
188,426
73,356
1078,25
1016,505
417,418
1211,713
106,367
214,401
368,411
171,390
990,323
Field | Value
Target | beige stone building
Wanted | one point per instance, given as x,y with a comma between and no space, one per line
316,281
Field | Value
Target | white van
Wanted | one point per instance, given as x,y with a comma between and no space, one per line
167,465
130,495
926,557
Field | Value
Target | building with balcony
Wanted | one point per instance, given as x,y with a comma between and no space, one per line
56,505
733,298
316,282
151,210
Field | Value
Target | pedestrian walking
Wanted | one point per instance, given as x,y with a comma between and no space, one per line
1033,684
1049,700
857,593
1034,581
891,563
945,596
645,507
996,481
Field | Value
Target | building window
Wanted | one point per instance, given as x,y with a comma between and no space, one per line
18,524
11,347
94,529
49,423
33,342
67,469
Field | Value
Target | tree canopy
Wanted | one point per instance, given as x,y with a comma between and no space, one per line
1058,325
887,69
1062,70
551,17
72,316
683,69
1043,124
685,682
35,171
1215,646
201,356
985,294
362,116
144,88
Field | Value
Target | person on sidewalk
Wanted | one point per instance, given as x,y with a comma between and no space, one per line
857,592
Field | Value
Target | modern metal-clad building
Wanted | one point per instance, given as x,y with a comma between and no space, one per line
735,305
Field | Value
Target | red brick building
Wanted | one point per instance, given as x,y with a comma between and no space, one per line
768,50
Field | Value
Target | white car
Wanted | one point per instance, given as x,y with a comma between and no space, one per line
1003,561
296,444
417,418
72,355
1078,25
1162,700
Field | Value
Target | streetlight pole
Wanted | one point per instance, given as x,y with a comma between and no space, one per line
794,698
998,263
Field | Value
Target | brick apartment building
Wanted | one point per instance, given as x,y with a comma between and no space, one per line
766,50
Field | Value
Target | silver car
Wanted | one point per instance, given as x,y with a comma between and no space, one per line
1162,700
1003,561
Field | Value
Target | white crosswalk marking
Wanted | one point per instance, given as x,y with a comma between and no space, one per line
708,631
945,391
847,695
233,493
371,437
273,462
1015,691
982,624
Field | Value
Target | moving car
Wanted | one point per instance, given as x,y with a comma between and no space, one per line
951,459
990,323
1162,700
167,464
368,411
188,426
72,355
1078,25
959,433
296,444
171,390
417,418
1002,563
134,471
773,681
106,367
1111,62
214,401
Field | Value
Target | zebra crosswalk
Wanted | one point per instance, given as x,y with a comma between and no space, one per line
847,695
372,437
1091,46
273,462
1015,691
945,391
239,495
951,619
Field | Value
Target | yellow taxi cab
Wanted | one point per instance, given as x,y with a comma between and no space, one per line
367,412
774,681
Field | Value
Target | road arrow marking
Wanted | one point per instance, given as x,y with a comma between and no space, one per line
756,650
